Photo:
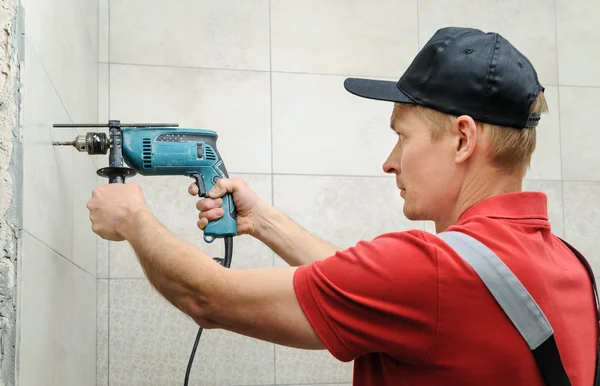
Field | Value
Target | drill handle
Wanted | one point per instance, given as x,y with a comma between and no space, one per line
224,226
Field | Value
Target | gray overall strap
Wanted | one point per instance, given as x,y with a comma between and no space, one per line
516,302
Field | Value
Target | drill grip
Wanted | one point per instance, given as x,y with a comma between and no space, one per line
226,225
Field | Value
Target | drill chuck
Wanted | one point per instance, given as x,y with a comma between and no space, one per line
91,143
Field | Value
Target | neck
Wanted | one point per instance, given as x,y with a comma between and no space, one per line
478,187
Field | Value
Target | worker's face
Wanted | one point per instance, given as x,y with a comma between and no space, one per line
424,168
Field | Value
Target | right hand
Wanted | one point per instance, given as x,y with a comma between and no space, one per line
247,204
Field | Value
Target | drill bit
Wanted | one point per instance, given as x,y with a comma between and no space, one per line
63,143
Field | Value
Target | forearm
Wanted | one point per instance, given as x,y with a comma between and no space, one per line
182,273
289,240
260,303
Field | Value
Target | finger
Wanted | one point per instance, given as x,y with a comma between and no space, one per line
211,215
225,185
202,223
208,204
193,189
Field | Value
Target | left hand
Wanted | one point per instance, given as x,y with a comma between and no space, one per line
114,207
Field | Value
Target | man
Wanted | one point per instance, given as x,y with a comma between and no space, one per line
404,306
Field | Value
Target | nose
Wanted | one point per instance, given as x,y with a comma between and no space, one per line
392,163
391,166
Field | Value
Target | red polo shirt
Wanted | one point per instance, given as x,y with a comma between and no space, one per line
410,311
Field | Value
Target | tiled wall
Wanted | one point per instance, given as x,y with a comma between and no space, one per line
57,272
267,75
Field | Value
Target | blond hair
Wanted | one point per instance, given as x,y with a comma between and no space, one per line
510,148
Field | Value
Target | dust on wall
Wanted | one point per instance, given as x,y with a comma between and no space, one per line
10,187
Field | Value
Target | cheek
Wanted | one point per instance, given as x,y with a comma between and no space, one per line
426,172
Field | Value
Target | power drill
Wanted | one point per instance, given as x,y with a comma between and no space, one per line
161,149
153,149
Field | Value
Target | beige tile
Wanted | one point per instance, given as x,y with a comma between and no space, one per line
84,240
218,34
102,334
529,26
103,28
45,316
89,11
579,133
102,256
553,190
546,160
320,128
582,219
578,36
103,101
291,367
233,103
176,210
429,226
365,207
47,170
344,37
57,30
147,331
82,334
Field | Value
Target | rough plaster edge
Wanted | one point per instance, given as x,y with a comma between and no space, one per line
11,176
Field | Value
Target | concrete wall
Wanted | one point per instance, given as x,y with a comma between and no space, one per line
10,187
57,276
267,75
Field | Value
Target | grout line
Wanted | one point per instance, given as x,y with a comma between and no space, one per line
418,29
307,174
97,120
380,176
272,162
572,86
560,152
108,242
96,329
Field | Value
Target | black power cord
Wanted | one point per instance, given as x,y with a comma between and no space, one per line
226,262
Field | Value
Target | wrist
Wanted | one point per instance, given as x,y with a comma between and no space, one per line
135,221
264,224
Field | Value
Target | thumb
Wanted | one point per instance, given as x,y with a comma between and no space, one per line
224,185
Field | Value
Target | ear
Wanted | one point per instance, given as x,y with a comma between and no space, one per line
465,132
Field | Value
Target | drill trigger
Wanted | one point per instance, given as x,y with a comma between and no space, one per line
200,182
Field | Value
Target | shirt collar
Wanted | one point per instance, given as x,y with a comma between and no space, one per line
515,205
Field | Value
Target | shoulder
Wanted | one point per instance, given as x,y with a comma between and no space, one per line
413,252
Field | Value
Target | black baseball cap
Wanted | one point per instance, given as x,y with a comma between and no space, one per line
464,71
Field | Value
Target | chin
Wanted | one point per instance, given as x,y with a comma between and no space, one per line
410,213
413,214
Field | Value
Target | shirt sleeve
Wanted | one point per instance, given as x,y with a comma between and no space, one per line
379,296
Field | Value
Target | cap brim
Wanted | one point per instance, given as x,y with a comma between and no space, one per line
381,90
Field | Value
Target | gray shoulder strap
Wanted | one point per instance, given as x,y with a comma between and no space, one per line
508,291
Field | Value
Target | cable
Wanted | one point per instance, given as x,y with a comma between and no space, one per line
226,262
